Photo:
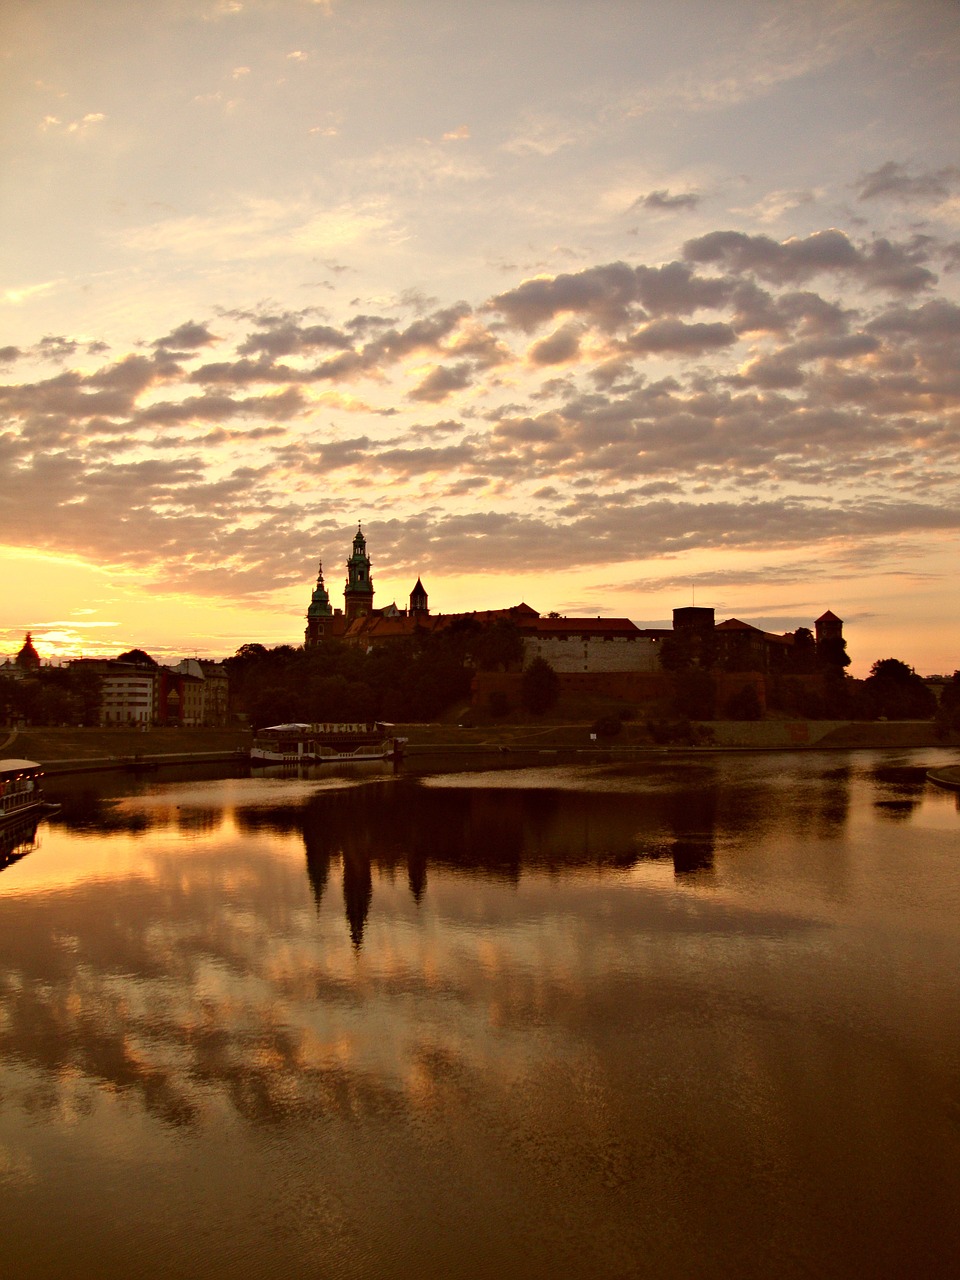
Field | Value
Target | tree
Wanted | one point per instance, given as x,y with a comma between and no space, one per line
832,655
499,703
497,647
28,659
948,710
744,704
539,687
803,653
138,657
897,692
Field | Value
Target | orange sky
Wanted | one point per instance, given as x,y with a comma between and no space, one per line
591,307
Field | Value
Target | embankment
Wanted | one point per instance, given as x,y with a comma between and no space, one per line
82,750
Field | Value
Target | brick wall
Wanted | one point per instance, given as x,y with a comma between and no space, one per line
585,654
622,686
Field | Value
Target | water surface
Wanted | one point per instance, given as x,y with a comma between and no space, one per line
683,1017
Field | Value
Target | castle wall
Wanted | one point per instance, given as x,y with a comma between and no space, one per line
593,654
623,686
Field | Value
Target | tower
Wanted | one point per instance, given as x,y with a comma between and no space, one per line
829,627
418,600
358,591
318,609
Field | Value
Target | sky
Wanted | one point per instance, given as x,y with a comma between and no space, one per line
608,308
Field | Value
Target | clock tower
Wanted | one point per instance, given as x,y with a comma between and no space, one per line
358,591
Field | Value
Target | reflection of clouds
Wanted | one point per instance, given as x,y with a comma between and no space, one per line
207,970
217,980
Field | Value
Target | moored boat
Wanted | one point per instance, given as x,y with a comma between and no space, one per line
325,742
21,791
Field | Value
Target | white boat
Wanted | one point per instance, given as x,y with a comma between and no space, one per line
325,742
21,791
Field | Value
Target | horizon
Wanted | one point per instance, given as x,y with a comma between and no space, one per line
587,308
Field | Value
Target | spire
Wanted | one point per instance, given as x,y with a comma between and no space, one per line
320,600
418,599
317,611
358,591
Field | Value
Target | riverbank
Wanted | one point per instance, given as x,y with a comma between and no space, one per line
82,750
760,735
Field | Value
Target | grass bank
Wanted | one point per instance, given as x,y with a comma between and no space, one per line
52,746
75,746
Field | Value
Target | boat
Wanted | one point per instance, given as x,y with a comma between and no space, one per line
21,792
325,742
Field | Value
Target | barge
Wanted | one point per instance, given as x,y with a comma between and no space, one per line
325,742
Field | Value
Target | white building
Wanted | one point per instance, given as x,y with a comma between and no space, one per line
126,697
591,645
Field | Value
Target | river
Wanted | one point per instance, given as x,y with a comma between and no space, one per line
675,1017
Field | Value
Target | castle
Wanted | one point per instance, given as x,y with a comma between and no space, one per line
605,648
358,619
568,644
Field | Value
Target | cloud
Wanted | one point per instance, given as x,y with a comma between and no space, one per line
441,381
78,128
666,201
610,295
881,264
188,336
24,293
895,181
672,337
286,337
56,347
559,348
258,228
543,135
775,204
787,419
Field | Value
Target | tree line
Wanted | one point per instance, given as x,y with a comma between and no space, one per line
420,678
412,679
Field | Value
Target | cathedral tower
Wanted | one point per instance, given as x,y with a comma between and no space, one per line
358,591
318,609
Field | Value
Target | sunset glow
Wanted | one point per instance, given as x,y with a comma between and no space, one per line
595,307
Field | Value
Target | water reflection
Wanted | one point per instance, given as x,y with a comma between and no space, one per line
899,790
17,839
579,1016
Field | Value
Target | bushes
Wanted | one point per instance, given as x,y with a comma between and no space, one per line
744,704
606,727
539,687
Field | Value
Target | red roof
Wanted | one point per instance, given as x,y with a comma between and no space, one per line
586,626
734,624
